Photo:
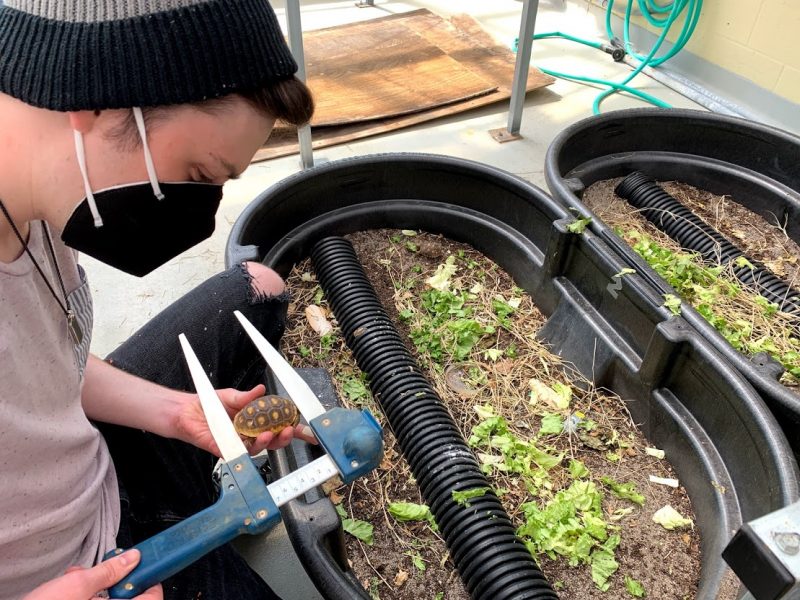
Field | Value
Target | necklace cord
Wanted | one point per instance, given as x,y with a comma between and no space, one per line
46,232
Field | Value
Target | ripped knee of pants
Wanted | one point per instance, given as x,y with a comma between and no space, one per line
265,284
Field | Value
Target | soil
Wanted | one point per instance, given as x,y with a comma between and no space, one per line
758,238
667,563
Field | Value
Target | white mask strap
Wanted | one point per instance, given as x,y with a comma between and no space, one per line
148,159
80,151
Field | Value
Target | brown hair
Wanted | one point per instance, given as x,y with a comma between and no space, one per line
288,100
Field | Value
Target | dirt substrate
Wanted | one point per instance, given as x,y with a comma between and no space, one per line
667,563
761,239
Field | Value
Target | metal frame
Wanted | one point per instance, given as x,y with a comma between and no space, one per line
518,87
295,28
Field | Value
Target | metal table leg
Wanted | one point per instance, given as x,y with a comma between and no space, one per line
526,27
296,45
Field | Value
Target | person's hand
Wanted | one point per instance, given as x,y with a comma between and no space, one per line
191,425
85,584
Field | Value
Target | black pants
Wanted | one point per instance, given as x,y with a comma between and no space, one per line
163,481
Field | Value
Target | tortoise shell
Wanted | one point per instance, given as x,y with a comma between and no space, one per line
268,413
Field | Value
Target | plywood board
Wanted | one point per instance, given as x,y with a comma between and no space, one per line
375,70
463,40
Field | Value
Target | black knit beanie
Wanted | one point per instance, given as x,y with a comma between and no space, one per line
100,54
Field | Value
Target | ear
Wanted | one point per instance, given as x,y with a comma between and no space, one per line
83,120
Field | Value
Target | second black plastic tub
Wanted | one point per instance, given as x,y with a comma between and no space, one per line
756,165
725,445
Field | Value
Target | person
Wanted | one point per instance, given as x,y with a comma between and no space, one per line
119,122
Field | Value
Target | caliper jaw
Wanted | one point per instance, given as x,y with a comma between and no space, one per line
352,438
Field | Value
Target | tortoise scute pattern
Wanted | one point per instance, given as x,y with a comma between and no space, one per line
268,413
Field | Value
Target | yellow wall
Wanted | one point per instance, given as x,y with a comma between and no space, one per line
757,39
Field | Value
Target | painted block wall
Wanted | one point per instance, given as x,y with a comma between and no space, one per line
756,39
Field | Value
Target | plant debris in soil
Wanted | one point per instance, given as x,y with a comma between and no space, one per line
748,321
569,465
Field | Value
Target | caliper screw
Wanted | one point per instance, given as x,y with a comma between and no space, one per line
787,541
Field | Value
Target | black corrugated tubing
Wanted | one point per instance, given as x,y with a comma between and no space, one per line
691,232
493,563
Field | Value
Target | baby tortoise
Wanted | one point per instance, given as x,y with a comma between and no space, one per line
268,413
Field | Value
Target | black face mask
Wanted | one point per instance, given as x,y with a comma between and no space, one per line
140,232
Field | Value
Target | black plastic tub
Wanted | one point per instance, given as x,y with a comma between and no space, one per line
714,427
756,165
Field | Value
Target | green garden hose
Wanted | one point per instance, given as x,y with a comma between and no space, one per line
662,17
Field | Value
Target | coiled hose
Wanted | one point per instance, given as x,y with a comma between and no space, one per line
493,562
662,18
692,233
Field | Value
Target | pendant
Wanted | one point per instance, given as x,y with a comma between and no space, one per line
74,328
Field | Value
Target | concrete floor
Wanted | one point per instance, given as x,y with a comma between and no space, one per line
123,303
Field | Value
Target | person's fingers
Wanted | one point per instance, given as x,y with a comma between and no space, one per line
285,436
305,433
282,439
256,392
261,443
154,593
270,441
235,400
212,448
105,574
73,569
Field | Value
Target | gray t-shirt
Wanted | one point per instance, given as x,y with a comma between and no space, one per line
59,501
